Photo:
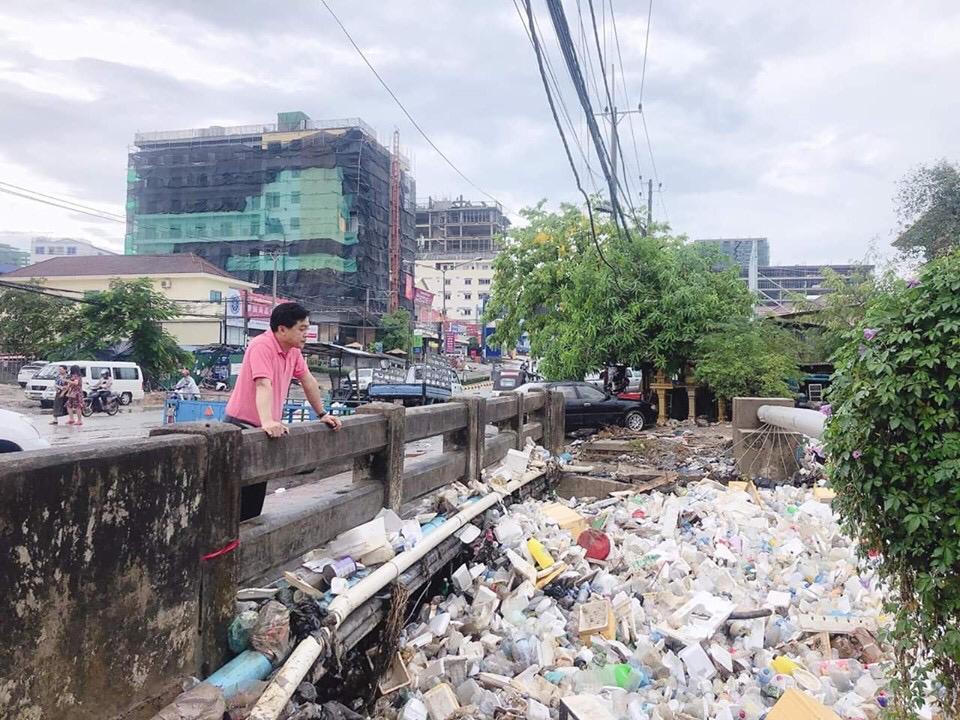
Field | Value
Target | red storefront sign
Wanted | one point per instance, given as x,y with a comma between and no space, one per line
259,306
422,297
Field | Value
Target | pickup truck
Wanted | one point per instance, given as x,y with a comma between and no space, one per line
421,384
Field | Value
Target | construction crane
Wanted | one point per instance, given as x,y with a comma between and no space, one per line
394,302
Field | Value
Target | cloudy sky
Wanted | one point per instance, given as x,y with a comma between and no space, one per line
787,120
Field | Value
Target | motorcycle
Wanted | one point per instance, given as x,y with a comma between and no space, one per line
109,405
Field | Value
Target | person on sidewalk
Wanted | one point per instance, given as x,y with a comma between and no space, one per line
60,396
74,395
270,361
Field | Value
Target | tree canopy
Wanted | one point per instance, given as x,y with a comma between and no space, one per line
929,210
635,300
395,331
46,325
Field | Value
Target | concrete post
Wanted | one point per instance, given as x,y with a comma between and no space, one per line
661,386
515,423
471,437
554,422
220,534
721,409
386,466
691,402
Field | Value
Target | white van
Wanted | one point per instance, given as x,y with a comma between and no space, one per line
127,380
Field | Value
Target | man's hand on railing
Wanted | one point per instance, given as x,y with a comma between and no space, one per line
275,429
332,420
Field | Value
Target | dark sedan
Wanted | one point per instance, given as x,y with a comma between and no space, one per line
588,407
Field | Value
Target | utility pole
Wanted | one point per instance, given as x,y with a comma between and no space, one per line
275,256
615,116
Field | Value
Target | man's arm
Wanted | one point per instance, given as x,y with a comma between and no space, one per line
312,390
272,427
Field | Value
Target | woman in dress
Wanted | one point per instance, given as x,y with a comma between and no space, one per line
74,395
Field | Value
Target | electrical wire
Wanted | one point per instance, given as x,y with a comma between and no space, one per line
562,29
403,108
626,93
106,213
563,138
563,107
646,46
611,106
61,206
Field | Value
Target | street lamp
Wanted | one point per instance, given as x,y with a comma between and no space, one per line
443,288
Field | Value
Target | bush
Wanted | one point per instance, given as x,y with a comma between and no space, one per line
894,445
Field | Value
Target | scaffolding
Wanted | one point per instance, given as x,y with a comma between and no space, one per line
318,194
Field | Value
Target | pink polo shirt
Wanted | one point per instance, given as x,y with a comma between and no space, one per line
264,358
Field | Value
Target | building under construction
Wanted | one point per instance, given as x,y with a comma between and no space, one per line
309,200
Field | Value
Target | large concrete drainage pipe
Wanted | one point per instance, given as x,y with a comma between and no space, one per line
801,420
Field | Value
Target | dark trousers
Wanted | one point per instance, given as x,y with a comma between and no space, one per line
251,496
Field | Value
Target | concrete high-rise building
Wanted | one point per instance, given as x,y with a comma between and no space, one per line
44,248
302,200
12,258
780,284
456,245
740,249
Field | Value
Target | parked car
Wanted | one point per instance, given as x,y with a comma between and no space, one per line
18,433
366,376
127,380
29,370
586,406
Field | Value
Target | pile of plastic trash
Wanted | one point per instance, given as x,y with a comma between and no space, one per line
709,602
716,603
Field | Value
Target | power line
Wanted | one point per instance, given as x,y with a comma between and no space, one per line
653,163
404,109
626,94
556,120
646,46
562,29
563,107
61,206
64,200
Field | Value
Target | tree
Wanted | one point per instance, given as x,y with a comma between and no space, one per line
130,311
395,331
632,300
29,320
833,315
750,358
929,210
894,447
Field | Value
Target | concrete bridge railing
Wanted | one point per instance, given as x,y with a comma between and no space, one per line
120,561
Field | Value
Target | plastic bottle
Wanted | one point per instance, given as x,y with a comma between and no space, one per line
539,553
784,665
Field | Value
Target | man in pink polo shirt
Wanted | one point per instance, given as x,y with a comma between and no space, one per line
269,363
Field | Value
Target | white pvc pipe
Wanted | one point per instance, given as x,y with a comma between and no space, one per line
358,594
285,682
801,420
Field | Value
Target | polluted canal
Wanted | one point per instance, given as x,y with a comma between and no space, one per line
676,590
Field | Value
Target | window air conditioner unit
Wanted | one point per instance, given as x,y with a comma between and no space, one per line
166,284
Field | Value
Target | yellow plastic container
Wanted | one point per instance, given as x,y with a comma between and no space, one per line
784,665
539,553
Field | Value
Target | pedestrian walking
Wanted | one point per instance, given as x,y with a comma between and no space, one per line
270,362
74,395
60,396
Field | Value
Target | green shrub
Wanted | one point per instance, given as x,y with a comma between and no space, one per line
894,446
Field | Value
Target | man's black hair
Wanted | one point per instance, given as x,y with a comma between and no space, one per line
287,314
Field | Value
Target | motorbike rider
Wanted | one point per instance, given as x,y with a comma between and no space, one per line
101,389
186,387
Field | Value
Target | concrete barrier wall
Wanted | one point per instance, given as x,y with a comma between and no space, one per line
101,593
121,560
